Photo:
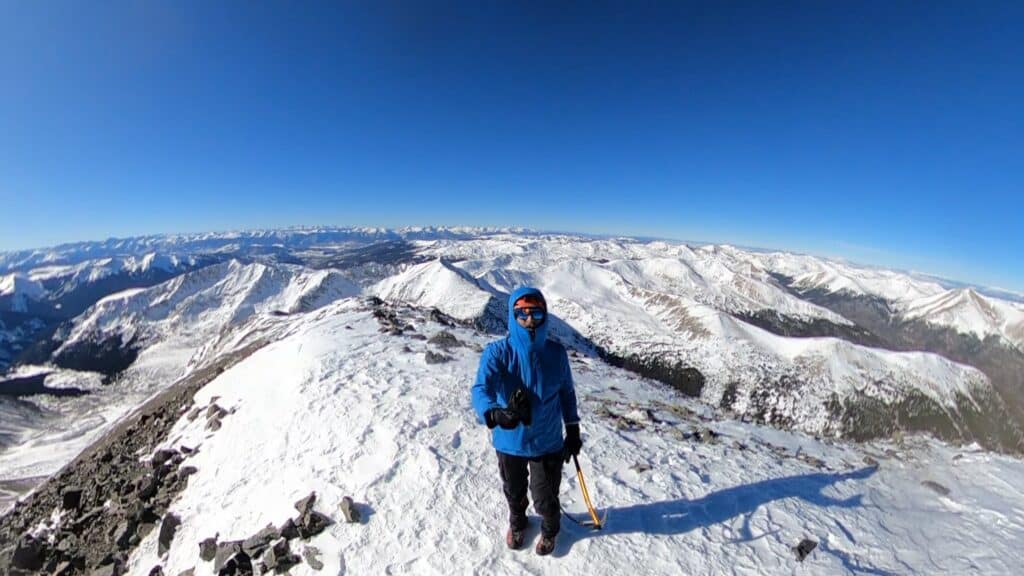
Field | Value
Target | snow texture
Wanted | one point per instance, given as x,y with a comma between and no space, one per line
342,409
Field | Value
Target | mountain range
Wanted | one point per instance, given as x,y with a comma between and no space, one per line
754,340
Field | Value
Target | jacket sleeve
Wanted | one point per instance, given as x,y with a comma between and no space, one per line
568,394
485,388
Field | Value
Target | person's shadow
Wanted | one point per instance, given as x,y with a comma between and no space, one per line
680,516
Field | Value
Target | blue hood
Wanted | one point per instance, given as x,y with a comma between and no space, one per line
520,336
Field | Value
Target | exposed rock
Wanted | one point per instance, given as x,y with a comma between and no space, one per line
279,557
144,529
349,510
225,551
157,570
239,564
160,457
312,524
441,318
111,515
312,556
434,358
147,486
936,487
71,499
640,467
305,505
804,548
871,461
257,543
67,544
208,549
444,339
705,435
123,534
106,570
28,554
289,530
168,528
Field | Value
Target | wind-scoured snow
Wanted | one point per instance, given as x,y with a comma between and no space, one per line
339,408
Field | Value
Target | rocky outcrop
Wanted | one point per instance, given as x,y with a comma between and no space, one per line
110,500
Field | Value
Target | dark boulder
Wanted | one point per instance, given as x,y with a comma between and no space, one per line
805,547
432,357
312,524
225,551
258,542
71,499
289,530
208,549
168,528
349,510
29,554
305,505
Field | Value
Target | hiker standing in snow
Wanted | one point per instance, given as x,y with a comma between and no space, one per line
524,393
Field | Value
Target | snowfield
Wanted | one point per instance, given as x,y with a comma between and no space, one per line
342,409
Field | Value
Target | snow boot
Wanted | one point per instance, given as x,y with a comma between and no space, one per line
515,538
545,546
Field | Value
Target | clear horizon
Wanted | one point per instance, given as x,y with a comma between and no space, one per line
884,135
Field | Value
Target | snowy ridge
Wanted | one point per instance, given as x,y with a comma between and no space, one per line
971,313
175,326
202,304
340,409
635,300
965,310
438,285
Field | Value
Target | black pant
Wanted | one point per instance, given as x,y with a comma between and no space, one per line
544,475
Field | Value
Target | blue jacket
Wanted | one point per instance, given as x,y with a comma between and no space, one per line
541,367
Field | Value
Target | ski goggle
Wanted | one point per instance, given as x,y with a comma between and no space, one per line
537,314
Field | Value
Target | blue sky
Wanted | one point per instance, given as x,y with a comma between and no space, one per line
890,135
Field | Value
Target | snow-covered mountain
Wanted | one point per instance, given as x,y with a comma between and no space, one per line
343,407
351,349
18,291
911,297
716,322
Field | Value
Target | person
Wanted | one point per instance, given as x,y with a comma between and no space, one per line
524,393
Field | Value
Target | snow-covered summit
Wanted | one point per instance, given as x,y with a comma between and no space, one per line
341,410
436,284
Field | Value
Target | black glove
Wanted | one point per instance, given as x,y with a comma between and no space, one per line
573,443
518,411
519,403
503,417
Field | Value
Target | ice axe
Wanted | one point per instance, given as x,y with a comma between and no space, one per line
595,522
